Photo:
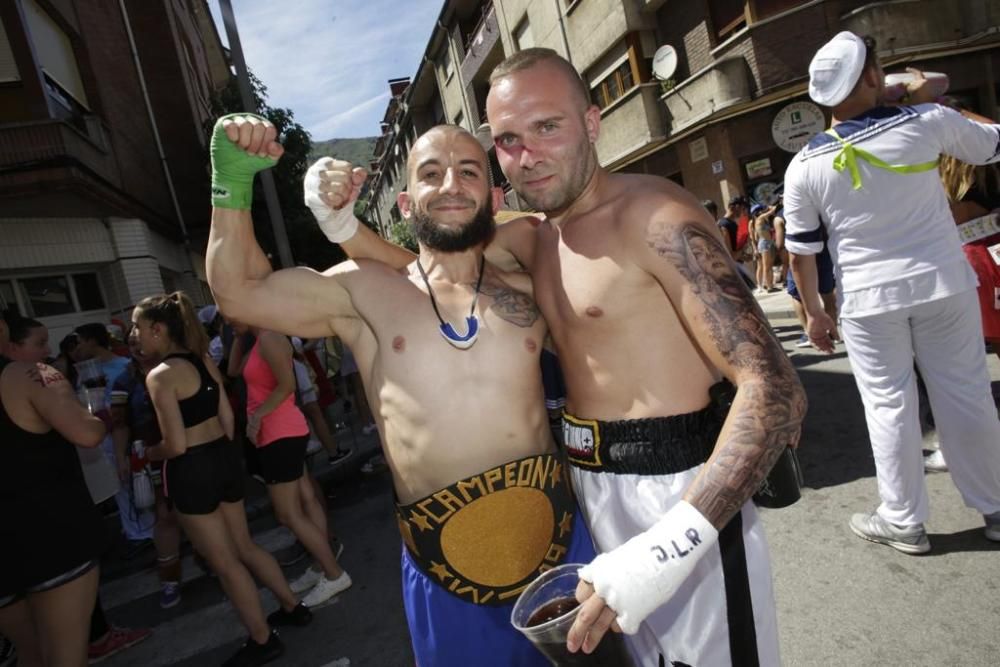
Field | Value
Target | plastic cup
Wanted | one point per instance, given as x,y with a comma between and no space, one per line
544,613
90,373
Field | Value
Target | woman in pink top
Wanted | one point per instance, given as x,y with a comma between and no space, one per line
278,429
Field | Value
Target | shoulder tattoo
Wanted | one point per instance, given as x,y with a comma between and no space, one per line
512,306
44,375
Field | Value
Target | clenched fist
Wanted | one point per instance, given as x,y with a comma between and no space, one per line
331,188
242,145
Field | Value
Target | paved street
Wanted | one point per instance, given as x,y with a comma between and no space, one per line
841,601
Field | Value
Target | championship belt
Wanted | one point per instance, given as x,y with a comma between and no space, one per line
486,537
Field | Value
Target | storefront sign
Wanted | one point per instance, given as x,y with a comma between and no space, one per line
795,125
759,168
699,149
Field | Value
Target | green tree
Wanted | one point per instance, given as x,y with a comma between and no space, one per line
401,233
309,246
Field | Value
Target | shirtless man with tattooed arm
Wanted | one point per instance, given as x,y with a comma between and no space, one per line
448,348
647,312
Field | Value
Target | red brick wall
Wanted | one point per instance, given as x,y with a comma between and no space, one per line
115,91
162,68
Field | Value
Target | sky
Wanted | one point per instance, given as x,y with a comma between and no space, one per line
329,61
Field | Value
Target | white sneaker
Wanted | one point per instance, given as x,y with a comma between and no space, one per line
934,462
313,446
306,581
908,539
326,589
992,531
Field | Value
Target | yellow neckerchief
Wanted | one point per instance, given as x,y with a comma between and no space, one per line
848,158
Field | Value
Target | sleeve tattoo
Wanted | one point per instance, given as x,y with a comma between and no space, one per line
770,402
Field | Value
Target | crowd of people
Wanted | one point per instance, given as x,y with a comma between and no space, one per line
190,360
679,399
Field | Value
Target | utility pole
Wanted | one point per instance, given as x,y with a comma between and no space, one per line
266,178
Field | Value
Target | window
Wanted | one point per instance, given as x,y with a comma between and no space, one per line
8,67
614,85
7,298
55,52
523,39
47,296
88,292
446,65
728,16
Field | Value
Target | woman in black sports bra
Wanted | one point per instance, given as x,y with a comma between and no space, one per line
203,470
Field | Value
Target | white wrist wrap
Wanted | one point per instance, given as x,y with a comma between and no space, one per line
338,226
646,571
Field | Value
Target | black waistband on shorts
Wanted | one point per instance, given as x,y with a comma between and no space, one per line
486,537
652,446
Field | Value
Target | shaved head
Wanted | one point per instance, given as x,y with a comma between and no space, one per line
538,56
419,153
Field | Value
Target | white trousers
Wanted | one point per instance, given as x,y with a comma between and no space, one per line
723,615
945,337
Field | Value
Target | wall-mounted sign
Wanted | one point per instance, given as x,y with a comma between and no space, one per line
717,167
759,168
796,124
699,149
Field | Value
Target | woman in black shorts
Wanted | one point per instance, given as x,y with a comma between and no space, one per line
203,470
278,429
51,533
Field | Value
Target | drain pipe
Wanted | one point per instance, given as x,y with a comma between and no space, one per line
159,144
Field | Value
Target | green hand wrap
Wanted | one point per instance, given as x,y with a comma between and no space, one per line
233,168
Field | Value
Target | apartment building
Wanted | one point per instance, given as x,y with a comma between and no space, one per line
735,110
104,183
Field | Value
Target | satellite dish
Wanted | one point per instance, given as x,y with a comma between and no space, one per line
664,62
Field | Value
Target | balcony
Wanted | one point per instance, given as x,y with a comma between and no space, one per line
52,140
480,45
50,167
630,124
909,26
724,84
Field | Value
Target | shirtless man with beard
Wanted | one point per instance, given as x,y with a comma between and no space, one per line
648,314
448,349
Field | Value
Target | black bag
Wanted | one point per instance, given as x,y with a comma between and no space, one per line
781,487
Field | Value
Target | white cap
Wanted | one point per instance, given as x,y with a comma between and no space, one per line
836,68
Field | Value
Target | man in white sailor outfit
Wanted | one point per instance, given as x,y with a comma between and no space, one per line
870,188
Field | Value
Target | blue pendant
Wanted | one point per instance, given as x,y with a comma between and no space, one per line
461,342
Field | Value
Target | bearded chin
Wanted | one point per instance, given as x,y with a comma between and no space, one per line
479,231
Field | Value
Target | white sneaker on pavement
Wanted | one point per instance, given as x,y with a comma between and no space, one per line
992,530
908,539
306,581
934,462
326,589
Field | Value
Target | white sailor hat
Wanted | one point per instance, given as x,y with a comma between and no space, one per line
836,68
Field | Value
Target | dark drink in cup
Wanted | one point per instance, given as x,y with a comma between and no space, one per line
610,652
544,613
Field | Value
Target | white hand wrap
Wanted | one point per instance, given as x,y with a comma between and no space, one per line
646,571
339,225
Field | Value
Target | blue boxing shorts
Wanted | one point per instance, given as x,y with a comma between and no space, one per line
471,548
